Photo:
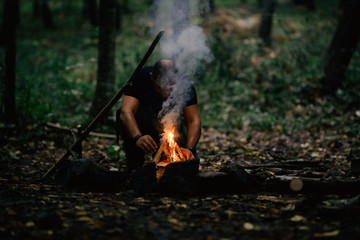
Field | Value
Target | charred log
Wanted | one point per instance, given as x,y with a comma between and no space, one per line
143,180
310,185
180,177
88,175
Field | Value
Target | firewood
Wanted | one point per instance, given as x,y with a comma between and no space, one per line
181,155
296,184
159,152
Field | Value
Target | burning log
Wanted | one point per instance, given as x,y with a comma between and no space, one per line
169,172
169,152
159,153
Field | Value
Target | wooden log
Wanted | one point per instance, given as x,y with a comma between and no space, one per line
309,185
181,155
88,175
296,184
109,105
158,153
290,164
68,129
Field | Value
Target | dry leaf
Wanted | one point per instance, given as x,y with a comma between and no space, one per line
248,226
297,218
327,234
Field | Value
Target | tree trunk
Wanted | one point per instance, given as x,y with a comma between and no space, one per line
17,13
266,21
4,24
181,15
10,62
36,9
46,15
106,61
342,46
90,11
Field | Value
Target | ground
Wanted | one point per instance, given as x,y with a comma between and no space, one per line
33,209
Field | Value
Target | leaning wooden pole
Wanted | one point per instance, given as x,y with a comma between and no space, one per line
108,106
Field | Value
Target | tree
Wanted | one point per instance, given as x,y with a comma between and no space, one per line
90,11
266,21
343,45
16,12
36,9
46,15
3,27
41,9
106,61
11,8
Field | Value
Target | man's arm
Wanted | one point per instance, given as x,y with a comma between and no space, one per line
193,122
127,116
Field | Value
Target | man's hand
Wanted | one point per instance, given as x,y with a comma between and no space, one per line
147,144
187,153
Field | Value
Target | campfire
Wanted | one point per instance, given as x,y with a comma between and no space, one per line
168,152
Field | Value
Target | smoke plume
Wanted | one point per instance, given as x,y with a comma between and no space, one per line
185,44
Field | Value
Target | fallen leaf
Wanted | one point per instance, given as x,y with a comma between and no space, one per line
248,226
173,220
29,224
230,213
85,219
297,218
327,234
15,178
81,213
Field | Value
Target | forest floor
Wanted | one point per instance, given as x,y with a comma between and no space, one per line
32,209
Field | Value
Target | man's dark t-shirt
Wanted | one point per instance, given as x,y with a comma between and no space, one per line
151,103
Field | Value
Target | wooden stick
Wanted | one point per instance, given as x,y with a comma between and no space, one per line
158,153
67,129
109,105
182,157
79,150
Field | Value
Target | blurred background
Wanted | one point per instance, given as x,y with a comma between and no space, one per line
285,65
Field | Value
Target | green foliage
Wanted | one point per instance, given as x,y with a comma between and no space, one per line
278,88
245,85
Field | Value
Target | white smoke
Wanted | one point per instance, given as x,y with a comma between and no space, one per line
185,44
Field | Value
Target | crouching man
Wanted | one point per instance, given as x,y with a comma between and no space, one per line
141,128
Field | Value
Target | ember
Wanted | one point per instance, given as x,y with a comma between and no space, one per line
168,152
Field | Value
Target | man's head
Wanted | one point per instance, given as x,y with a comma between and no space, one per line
163,77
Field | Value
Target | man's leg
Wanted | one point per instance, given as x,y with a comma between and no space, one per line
134,156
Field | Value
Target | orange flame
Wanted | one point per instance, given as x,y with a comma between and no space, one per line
172,147
170,152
